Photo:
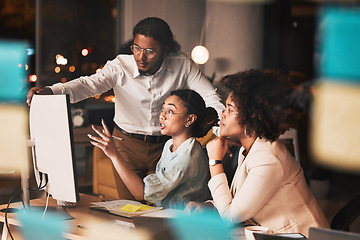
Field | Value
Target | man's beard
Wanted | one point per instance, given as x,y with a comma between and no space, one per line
143,72
157,65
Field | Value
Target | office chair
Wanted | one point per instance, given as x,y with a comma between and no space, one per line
346,215
291,135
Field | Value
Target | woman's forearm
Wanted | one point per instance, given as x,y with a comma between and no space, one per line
106,143
132,181
216,169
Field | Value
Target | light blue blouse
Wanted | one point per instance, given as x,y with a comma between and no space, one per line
181,176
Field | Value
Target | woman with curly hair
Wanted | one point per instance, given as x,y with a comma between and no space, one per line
182,171
269,186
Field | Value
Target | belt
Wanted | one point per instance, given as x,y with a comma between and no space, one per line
145,138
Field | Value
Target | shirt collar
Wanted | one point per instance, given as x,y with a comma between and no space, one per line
136,72
165,64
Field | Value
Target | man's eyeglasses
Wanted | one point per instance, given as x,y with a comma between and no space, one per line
149,53
168,113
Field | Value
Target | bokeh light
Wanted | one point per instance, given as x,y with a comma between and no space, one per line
200,54
33,78
61,60
84,52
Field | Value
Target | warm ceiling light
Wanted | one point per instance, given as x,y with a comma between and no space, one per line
200,54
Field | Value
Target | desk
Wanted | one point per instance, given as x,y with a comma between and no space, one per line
81,214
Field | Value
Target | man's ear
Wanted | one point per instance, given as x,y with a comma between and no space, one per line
191,119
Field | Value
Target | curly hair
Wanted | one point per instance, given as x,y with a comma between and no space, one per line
262,100
159,30
207,117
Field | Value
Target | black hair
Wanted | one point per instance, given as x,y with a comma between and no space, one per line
207,117
159,30
125,47
262,101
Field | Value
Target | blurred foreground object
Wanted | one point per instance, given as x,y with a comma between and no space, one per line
205,225
13,111
13,148
39,226
13,80
335,129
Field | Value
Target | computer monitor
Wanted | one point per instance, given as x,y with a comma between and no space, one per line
51,135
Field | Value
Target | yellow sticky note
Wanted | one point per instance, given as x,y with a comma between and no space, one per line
143,207
130,208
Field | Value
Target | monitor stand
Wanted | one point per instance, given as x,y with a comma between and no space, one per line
25,187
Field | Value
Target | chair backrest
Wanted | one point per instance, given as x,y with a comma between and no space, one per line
346,215
291,135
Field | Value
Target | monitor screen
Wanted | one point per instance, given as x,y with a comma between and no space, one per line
51,133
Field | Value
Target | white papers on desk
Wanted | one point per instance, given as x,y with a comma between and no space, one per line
165,213
114,207
123,224
115,204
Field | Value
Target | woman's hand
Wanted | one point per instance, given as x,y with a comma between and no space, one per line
231,143
217,148
198,207
105,141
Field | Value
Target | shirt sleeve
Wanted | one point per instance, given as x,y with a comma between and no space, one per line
163,181
199,83
88,86
262,181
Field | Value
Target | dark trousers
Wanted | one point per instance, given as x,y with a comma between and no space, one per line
140,156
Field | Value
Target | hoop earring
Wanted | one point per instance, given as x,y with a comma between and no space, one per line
186,125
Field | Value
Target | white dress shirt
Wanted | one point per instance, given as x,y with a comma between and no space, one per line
139,98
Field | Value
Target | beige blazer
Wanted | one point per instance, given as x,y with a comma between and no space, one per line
268,187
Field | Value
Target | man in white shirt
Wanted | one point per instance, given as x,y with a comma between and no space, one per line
141,83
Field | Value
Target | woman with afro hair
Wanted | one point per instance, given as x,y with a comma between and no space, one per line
269,186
